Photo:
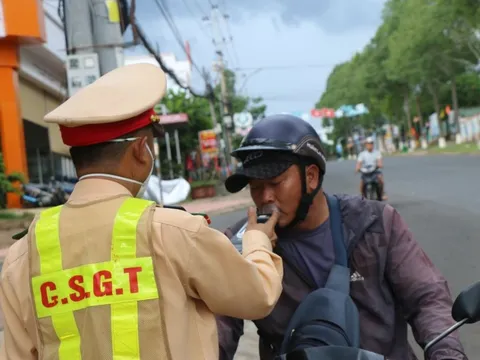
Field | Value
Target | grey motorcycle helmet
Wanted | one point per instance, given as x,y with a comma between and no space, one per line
273,145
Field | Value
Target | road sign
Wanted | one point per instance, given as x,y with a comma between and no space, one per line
173,119
208,142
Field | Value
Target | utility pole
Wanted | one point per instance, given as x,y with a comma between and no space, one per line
213,113
220,68
107,33
78,29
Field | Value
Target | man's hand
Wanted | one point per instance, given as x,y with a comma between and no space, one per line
268,228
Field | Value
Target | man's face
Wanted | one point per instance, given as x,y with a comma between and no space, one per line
283,191
369,146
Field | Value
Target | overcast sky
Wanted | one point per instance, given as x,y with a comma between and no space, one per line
296,43
311,36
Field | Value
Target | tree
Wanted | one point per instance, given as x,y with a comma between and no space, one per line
199,118
237,103
419,49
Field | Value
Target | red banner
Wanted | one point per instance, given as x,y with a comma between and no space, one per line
323,113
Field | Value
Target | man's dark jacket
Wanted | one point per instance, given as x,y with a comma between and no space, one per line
393,284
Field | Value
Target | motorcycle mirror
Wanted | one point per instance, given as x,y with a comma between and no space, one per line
465,310
467,305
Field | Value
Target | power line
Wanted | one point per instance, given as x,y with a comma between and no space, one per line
284,67
143,38
226,17
196,19
171,23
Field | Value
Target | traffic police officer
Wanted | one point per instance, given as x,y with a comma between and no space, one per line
112,276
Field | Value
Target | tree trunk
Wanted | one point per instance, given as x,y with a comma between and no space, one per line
407,111
456,114
436,104
419,112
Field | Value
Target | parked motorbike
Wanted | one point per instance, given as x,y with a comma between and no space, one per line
371,186
44,195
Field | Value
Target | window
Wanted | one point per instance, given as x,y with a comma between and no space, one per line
37,146
90,79
74,64
76,82
63,167
89,63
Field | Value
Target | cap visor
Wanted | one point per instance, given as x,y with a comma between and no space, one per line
236,182
239,180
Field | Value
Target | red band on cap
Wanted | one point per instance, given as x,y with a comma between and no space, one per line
98,133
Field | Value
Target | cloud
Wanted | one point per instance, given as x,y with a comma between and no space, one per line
331,16
312,38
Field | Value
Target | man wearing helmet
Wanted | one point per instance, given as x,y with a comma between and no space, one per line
371,158
393,283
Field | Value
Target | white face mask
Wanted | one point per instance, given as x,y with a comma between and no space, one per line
143,185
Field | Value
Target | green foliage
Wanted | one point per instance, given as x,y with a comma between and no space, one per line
421,56
200,118
7,182
237,103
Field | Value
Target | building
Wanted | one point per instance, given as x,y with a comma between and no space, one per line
41,88
181,68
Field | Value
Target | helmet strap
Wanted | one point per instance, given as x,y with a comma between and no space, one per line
306,199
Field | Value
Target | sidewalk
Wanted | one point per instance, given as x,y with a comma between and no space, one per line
220,204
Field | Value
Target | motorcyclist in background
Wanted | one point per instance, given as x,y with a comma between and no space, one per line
371,158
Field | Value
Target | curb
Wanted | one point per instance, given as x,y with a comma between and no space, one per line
211,209
230,209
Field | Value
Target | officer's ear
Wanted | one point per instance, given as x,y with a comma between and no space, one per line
139,150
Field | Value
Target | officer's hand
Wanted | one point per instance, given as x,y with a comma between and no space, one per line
268,228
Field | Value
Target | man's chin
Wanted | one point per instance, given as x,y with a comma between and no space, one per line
281,226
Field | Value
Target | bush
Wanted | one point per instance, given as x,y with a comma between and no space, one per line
200,183
8,183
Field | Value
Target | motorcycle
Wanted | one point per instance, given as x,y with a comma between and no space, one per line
43,195
465,310
371,187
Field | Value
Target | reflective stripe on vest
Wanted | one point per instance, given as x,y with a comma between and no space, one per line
120,283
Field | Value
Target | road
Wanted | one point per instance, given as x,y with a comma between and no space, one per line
439,197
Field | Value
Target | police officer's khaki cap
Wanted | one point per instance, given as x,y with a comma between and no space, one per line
118,103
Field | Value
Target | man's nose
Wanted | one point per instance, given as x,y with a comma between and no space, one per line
268,195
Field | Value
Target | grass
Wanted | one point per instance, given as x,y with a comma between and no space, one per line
196,184
451,148
8,215
465,148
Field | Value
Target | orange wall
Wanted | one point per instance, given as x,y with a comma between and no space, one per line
24,20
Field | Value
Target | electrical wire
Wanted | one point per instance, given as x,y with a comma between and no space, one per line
194,17
284,67
230,38
61,15
168,71
171,23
